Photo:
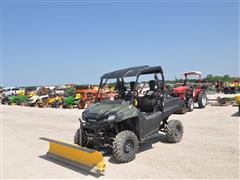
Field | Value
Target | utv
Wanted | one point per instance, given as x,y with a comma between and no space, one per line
119,125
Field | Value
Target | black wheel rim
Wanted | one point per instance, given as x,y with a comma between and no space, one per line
128,147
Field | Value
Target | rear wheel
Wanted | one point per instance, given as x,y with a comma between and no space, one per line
125,146
35,104
65,105
44,103
174,131
5,102
82,105
190,105
202,99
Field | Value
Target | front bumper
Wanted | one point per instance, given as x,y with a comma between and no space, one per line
94,133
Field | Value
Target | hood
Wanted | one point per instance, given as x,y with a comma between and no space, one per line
180,89
122,109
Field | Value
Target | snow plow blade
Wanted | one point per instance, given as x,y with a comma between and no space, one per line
77,156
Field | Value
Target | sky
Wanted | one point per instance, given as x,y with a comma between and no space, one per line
60,42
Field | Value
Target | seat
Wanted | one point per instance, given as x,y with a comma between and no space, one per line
121,90
131,91
149,101
132,85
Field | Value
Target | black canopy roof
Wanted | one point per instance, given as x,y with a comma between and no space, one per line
133,71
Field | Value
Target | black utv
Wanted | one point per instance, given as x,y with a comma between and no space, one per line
119,125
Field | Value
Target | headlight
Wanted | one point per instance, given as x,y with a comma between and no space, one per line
111,117
82,120
83,116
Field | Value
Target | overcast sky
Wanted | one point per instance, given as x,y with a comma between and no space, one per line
76,42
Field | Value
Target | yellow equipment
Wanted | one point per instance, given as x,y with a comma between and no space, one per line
51,100
80,157
32,93
20,92
78,96
237,99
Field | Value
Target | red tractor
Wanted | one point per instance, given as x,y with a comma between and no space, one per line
88,96
191,93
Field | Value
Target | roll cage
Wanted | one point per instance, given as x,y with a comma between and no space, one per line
119,75
192,73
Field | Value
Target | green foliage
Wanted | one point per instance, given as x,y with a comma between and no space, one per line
225,78
31,88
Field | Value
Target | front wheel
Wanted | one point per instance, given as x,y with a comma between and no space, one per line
174,131
190,105
125,146
78,138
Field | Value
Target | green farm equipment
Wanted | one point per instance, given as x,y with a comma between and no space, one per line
18,100
72,101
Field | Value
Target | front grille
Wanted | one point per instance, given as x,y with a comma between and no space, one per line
91,122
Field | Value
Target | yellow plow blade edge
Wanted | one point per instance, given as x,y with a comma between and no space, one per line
80,157
237,99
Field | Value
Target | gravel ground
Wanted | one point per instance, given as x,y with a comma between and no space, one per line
209,149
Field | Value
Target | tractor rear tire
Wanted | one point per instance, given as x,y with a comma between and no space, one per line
202,99
174,131
125,146
190,105
81,105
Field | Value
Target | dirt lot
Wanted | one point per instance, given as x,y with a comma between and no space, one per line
209,149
